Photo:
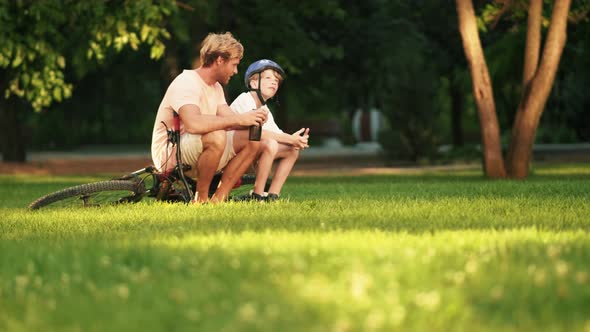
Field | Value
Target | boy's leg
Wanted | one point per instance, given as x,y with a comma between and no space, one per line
246,152
288,156
269,149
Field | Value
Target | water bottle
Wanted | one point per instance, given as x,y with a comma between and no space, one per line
255,133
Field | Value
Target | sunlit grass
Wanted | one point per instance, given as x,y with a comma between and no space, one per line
440,251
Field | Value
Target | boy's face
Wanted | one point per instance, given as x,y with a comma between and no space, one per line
269,83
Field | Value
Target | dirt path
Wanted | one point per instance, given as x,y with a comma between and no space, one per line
75,166
116,166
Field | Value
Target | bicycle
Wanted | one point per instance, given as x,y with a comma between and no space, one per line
169,186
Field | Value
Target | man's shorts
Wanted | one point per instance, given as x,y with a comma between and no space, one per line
191,147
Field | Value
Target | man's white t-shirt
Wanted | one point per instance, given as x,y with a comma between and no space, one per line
245,103
187,88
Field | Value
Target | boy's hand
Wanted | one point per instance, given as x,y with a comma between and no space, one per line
300,139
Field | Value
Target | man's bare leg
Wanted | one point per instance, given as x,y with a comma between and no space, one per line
213,146
246,152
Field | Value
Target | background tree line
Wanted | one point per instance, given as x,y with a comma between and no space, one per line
93,73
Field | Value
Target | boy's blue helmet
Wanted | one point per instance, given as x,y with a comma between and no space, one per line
260,66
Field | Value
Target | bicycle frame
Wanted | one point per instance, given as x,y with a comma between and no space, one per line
163,182
180,168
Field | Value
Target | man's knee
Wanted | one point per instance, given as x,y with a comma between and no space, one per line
269,146
215,140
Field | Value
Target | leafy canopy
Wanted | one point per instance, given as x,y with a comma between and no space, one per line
39,38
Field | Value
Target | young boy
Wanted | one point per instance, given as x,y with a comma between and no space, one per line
262,79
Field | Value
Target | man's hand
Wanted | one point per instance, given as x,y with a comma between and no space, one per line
254,117
300,139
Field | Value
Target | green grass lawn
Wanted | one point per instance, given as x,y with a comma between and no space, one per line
444,251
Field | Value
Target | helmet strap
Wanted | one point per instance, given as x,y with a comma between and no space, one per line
258,92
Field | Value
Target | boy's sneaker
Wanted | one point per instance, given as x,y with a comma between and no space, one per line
252,196
256,197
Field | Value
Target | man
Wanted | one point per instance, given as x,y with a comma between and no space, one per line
208,141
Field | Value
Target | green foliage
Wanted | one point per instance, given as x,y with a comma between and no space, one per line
408,98
514,13
41,37
434,250
505,59
113,105
305,41
566,119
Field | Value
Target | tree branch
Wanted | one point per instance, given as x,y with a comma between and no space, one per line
184,6
507,4
533,42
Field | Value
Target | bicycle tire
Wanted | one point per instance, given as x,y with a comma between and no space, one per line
93,194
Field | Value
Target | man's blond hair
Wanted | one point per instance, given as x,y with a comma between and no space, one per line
220,44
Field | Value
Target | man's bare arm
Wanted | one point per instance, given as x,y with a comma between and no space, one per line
223,110
197,123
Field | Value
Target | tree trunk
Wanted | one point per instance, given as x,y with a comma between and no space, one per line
535,95
482,90
533,42
531,62
12,142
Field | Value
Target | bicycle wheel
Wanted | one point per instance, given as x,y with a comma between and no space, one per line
93,194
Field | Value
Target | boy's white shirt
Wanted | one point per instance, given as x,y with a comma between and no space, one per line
245,103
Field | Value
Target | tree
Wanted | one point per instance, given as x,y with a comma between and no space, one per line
538,80
482,90
41,38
